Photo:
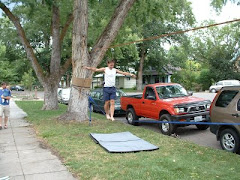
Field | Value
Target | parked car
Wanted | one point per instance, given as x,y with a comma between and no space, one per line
17,88
97,96
64,95
225,108
166,102
59,92
216,87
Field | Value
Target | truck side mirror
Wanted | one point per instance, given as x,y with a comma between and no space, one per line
151,98
190,93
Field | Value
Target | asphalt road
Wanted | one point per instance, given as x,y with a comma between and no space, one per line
189,133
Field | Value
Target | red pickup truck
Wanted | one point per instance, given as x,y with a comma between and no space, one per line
166,102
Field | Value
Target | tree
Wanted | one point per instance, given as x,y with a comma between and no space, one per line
49,77
188,75
28,80
169,17
77,108
218,5
215,48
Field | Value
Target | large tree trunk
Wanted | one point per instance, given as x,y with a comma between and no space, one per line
50,95
140,72
51,83
78,104
77,107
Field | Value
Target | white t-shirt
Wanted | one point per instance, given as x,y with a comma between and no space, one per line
110,77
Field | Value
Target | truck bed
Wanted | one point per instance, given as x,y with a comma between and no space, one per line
136,96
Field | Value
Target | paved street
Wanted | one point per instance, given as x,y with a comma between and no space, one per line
23,156
190,133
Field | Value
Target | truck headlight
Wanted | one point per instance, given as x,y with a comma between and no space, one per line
179,110
208,106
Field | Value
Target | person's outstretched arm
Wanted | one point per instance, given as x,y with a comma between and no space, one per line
126,73
95,69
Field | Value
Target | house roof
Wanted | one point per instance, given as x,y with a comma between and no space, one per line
168,70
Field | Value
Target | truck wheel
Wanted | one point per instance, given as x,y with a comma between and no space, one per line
230,141
202,126
167,128
130,116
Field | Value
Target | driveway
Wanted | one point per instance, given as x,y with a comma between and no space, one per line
189,133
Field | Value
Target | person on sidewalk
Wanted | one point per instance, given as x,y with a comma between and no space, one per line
109,90
5,95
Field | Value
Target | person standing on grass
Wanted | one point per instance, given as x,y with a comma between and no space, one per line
109,90
5,96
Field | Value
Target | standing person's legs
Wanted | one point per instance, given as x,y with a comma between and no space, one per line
6,115
106,98
106,108
1,114
112,102
112,108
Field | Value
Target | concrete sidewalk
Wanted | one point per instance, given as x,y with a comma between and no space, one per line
22,156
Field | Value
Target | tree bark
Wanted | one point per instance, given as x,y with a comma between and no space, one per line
78,104
140,71
77,107
110,32
51,83
50,95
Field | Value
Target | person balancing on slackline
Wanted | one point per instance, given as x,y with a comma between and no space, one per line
109,90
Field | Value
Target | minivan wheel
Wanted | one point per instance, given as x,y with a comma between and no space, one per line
230,141
202,126
131,116
167,128
213,90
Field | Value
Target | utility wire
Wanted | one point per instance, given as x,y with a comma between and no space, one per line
174,33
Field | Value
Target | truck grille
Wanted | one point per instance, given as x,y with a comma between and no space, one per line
196,108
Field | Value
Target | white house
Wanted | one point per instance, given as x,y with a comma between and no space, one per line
122,81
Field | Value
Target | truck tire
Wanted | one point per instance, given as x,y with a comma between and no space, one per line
230,141
166,128
202,126
130,116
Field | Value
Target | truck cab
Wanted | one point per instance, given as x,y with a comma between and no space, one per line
166,102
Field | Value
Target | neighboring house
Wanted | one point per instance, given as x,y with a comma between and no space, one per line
122,81
151,75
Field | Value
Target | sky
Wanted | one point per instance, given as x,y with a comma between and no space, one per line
203,11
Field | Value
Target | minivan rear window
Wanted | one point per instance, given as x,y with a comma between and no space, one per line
238,105
225,98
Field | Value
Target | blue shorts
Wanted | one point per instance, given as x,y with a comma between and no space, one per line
109,93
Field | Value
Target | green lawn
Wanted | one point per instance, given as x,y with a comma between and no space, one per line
175,159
